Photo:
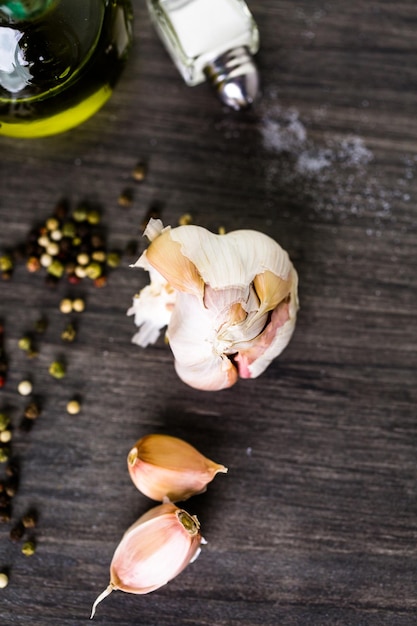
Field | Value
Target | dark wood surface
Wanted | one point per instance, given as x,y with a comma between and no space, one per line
316,522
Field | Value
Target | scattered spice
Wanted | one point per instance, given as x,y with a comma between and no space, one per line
63,245
4,580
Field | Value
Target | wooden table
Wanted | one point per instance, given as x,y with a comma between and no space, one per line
316,521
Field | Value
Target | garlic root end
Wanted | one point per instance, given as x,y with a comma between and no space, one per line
101,597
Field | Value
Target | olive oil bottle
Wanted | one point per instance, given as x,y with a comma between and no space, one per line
59,61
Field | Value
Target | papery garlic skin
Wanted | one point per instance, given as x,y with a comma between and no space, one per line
152,308
164,468
153,551
236,301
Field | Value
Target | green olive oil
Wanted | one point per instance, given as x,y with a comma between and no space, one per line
60,65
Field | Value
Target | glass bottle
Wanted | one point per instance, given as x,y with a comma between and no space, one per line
59,61
214,40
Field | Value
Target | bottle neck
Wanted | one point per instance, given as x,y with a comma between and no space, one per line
18,10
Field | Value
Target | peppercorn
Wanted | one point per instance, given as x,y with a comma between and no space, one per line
4,580
25,425
4,421
56,268
5,436
154,211
93,270
80,271
12,468
25,387
45,259
99,256
6,263
41,325
29,548
61,209
93,217
79,214
52,223
139,172
73,279
4,365
4,453
73,407
12,486
4,496
83,258
78,305
185,219
69,230
33,264
131,248
69,333
43,240
52,248
30,519
65,305
113,259
57,369
32,410
100,282
125,198
25,343
17,532
97,241
5,514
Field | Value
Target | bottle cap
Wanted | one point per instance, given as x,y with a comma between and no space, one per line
235,77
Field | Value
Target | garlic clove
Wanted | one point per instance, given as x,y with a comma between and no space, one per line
167,468
153,551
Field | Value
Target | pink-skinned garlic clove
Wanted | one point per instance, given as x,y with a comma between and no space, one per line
165,468
153,551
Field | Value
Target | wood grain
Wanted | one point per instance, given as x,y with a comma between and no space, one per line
316,522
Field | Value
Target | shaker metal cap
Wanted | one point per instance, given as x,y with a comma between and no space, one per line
235,77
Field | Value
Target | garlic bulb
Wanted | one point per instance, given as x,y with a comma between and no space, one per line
153,551
232,301
167,468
